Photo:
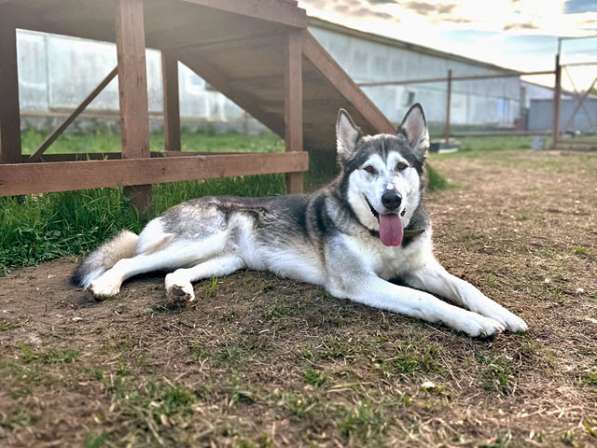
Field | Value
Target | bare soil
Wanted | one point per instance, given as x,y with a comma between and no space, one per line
261,361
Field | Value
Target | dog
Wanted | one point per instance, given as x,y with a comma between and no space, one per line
367,227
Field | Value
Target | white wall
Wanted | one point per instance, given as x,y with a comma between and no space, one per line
485,102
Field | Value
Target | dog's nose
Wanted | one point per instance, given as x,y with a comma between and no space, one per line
391,200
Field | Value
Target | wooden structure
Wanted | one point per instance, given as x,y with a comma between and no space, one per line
258,53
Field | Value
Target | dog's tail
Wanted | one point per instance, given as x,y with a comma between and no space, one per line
123,245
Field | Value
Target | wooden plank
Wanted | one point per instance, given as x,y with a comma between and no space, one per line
10,119
132,82
345,85
75,113
293,105
268,10
81,156
171,101
31,178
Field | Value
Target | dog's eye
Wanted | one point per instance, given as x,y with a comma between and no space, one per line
400,166
370,169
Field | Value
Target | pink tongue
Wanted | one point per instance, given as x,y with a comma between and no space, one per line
390,230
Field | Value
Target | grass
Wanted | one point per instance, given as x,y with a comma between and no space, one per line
477,145
53,356
41,228
105,141
498,374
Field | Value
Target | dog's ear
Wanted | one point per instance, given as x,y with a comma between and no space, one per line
347,135
414,128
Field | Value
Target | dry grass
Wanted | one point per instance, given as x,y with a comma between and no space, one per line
266,362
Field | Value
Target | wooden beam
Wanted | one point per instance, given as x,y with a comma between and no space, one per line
241,97
10,119
31,178
276,11
82,156
243,43
330,69
75,113
132,82
293,105
171,101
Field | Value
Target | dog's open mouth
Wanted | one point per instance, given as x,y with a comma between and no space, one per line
390,226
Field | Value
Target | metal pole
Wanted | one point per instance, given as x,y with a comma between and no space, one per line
557,93
448,104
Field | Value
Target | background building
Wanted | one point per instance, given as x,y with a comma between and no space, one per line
57,72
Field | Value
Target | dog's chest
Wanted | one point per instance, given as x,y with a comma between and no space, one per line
390,262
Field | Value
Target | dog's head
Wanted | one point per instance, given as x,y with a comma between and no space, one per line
382,173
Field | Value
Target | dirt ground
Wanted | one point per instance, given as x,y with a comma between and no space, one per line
260,361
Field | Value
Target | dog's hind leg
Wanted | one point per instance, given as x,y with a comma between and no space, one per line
179,288
174,255
435,279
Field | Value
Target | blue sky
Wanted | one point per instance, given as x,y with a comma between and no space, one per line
519,34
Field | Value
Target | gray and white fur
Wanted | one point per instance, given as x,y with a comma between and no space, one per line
365,228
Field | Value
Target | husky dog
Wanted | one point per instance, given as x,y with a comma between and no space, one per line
368,226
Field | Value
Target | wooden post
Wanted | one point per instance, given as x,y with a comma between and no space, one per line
448,107
10,119
293,105
132,85
557,93
132,82
171,101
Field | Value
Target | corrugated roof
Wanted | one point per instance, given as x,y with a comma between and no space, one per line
320,23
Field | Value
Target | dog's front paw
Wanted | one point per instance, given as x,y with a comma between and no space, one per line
478,326
509,320
178,292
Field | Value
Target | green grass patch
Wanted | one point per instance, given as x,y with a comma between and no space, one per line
18,417
497,374
435,181
96,441
493,143
6,325
106,141
362,422
314,377
411,359
580,250
52,356
590,378
298,404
